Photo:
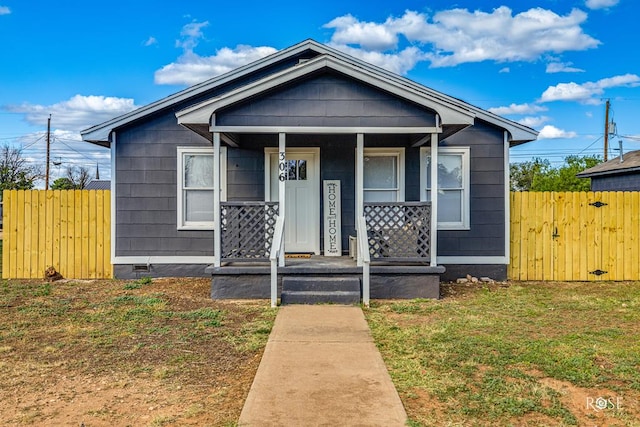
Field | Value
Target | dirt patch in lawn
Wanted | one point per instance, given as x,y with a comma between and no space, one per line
106,353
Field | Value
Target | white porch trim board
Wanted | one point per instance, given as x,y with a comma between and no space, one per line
325,130
433,239
359,184
442,260
217,238
282,189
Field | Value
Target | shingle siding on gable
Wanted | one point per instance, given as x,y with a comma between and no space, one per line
327,100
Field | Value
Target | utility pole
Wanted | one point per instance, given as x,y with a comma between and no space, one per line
46,181
606,130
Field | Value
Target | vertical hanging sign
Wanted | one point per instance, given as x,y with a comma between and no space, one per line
332,218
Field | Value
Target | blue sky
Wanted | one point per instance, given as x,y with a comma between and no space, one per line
550,64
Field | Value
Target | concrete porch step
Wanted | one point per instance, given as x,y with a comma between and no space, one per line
320,290
319,297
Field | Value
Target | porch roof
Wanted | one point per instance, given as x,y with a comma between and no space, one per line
204,112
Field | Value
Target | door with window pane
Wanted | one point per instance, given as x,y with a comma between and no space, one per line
302,216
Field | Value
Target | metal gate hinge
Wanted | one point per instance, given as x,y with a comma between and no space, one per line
598,204
598,272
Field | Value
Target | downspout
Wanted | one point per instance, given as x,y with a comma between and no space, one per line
112,148
507,201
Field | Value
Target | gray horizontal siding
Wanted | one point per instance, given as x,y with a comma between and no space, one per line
146,192
486,236
327,99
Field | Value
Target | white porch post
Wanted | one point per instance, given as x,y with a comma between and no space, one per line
282,176
434,200
217,240
359,182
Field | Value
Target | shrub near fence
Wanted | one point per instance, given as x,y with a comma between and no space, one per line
575,236
66,229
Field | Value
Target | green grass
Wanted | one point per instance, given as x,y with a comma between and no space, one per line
480,358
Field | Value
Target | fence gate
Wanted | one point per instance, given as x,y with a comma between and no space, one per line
575,236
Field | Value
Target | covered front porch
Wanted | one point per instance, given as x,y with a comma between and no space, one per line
391,245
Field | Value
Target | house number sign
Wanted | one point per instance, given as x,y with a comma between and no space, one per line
282,166
332,218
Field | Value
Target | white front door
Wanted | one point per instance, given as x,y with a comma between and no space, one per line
302,198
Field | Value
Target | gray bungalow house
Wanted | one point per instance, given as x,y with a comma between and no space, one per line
310,169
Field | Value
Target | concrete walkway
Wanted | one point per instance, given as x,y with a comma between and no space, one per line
321,368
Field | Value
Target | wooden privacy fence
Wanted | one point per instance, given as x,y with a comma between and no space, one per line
66,229
575,236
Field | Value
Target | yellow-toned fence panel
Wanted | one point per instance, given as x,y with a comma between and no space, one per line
575,236
69,230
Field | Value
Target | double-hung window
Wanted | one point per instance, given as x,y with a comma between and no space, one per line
453,185
383,175
195,187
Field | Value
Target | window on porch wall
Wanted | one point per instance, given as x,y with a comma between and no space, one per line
195,187
383,179
453,185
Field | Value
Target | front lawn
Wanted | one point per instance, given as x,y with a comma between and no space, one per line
516,354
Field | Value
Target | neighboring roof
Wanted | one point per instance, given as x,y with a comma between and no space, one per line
100,134
630,164
98,184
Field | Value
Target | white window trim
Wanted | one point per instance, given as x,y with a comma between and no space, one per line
425,152
181,151
390,151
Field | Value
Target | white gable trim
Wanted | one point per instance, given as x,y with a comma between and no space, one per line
202,113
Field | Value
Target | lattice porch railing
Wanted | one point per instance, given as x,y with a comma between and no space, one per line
247,230
399,231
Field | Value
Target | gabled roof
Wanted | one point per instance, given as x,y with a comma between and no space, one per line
449,113
100,134
630,164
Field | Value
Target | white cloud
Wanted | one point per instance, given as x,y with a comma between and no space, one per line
191,34
518,109
461,36
589,92
504,70
600,4
369,35
150,41
562,67
4,10
191,68
76,113
399,63
456,36
552,132
534,122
